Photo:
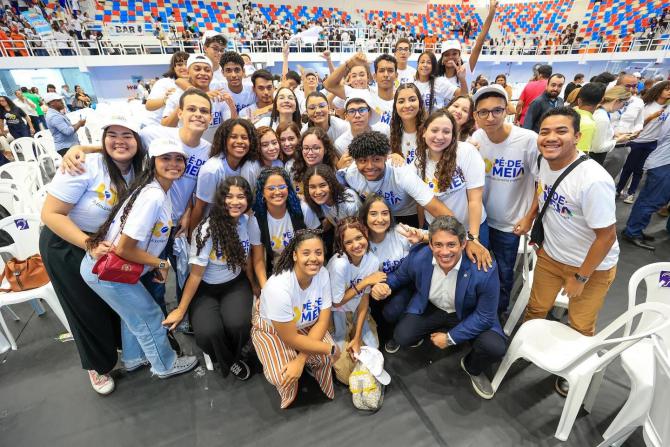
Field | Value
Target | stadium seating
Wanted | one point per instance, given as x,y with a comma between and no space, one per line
534,18
618,17
297,15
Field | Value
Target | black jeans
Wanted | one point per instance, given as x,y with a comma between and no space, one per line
487,348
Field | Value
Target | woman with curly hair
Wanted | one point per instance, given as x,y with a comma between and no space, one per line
289,136
318,115
217,296
454,171
278,214
463,110
235,142
266,157
290,322
408,115
436,91
315,147
285,109
138,229
325,195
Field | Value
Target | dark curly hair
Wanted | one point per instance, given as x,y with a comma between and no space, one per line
466,130
654,92
296,117
447,165
396,121
338,193
329,154
222,227
231,56
219,144
344,225
285,261
368,144
292,201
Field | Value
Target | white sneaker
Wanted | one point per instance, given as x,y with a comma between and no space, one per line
181,365
101,383
630,198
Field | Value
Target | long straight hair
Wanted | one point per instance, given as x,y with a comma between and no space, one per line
396,122
274,116
119,184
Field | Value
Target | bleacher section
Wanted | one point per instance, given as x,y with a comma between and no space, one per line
619,17
297,15
534,18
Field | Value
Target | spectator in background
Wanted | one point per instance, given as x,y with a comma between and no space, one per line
577,81
64,133
81,99
18,123
67,95
501,80
34,97
531,91
548,100
603,138
588,99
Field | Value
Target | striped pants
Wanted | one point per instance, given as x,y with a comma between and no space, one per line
274,355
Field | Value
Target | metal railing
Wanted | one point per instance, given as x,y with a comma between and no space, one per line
141,45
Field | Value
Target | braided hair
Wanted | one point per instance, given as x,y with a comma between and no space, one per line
447,165
338,193
285,261
126,202
396,121
223,227
292,201
344,225
329,154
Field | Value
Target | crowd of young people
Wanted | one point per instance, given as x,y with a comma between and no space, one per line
312,235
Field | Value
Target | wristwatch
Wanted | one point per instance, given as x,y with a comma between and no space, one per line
581,279
164,264
332,350
473,237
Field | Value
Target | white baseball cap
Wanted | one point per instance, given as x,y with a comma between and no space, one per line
162,146
496,89
48,97
198,59
361,94
451,44
373,360
123,121
211,33
637,74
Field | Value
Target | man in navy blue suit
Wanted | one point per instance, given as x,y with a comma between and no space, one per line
453,302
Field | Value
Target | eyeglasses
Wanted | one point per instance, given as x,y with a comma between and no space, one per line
483,114
216,49
402,49
313,149
360,110
317,106
274,188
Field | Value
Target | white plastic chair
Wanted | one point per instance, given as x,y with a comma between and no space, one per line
562,351
4,344
25,231
25,173
11,199
23,149
38,200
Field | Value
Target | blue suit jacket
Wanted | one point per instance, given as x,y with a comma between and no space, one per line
477,292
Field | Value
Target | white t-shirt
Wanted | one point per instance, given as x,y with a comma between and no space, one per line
407,75
408,146
243,99
90,193
343,275
281,230
454,79
212,173
629,118
148,222
400,187
383,107
347,208
283,300
248,113
342,143
220,113
266,121
158,92
651,132
252,169
469,174
511,170
338,127
443,91
583,200
391,251
661,155
216,268
182,189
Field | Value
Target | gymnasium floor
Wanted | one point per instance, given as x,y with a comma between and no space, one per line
45,397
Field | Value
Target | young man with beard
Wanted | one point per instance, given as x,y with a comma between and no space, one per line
579,254
264,90
546,101
200,76
510,154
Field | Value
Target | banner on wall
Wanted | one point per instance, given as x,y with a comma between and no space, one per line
124,29
37,21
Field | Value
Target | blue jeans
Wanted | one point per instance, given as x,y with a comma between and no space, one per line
634,165
340,322
157,289
655,194
142,335
505,247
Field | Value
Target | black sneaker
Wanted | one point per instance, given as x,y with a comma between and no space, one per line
240,370
391,346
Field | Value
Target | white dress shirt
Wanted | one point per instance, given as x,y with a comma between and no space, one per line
443,287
